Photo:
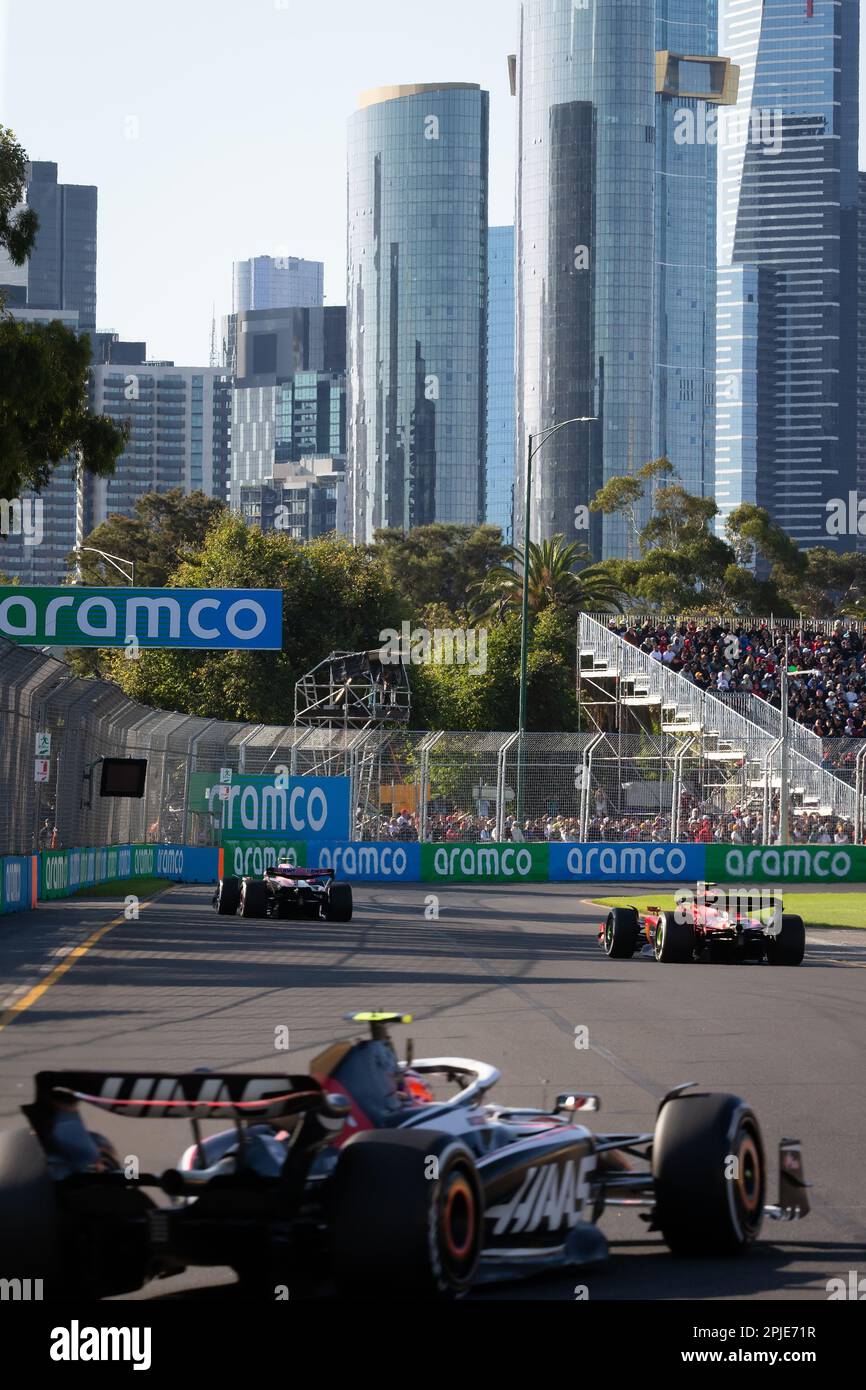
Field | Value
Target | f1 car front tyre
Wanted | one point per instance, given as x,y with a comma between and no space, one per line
622,933
338,906
29,1240
673,941
710,1175
789,947
228,895
254,898
407,1216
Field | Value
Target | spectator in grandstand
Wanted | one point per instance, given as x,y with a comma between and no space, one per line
827,694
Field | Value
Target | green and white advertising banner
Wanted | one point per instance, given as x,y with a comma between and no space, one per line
250,858
485,863
785,864
64,871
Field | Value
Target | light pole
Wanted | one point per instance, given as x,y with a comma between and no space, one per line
114,560
536,444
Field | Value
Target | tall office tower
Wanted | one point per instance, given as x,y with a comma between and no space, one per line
61,270
694,86
417,317
277,282
57,282
788,200
615,252
585,254
289,396
270,282
175,416
501,420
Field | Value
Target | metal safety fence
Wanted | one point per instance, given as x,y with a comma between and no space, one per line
697,772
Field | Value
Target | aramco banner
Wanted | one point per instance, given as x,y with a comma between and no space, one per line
212,619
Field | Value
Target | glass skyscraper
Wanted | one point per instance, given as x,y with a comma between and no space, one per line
586,123
788,209
616,249
61,270
501,420
277,282
685,237
417,317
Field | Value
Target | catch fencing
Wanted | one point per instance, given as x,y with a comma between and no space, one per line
458,787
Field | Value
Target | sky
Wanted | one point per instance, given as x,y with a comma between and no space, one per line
216,130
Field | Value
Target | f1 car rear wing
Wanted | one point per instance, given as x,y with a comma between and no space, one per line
289,871
190,1096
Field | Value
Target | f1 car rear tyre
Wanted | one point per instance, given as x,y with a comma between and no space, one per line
228,895
710,1175
254,898
674,942
29,1237
789,947
407,1215
338,906
622,933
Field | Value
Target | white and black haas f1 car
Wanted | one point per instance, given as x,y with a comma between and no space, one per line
357,1179
286,891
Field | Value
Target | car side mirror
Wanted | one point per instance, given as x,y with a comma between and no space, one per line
570,1102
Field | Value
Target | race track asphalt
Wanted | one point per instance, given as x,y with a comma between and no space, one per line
506,975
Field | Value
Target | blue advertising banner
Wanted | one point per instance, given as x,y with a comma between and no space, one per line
390,862
297,808
184,864
631,863
16,883
194,619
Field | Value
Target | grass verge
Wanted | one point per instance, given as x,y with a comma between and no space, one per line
127,887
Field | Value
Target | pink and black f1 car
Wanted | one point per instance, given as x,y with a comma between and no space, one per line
360,1178
286,891
720,925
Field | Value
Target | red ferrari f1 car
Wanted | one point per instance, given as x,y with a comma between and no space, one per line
721,925
373,1176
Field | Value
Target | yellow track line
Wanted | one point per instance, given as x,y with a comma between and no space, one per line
67,963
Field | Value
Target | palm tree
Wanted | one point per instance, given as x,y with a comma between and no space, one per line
555,579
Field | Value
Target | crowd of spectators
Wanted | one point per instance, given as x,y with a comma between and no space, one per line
827,694
700,826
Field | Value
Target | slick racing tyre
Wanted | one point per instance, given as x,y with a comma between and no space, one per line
673,941
710,1175
407,1216
622,933
29,1238
227,897
254,898
789,947
337,906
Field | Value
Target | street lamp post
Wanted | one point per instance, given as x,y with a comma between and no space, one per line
114,560
536,444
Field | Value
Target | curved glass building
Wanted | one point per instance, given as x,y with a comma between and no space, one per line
585,218
616,258
416,307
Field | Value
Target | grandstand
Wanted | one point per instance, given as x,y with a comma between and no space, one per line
714,753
